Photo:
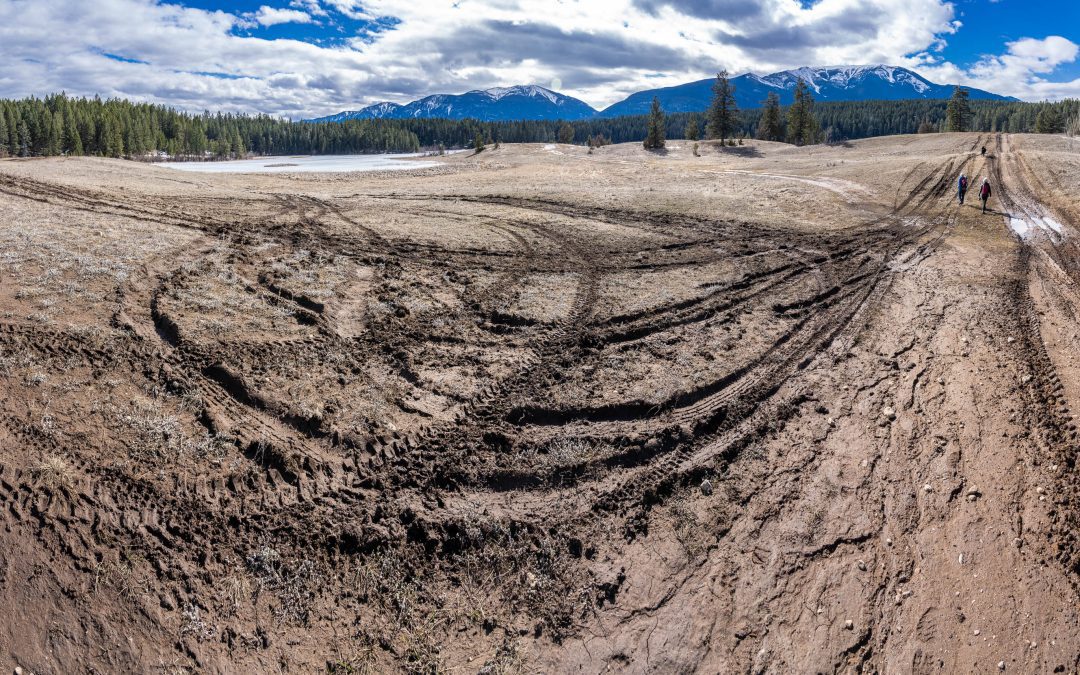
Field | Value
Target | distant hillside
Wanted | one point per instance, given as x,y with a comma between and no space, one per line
836,83
532,102
527,102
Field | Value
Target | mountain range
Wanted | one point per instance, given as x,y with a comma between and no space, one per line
532,102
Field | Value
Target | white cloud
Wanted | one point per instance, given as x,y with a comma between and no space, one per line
601,50
272,16
1018,72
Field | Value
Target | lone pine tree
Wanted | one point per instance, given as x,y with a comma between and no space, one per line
771,126
958,112
803,127
724,111
654,138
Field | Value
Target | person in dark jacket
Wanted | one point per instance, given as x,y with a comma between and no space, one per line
984,193
962,188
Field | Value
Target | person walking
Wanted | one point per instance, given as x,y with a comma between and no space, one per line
984,193
962,188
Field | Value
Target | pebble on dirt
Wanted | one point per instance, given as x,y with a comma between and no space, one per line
706,487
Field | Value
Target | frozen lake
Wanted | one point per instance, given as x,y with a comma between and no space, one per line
335,163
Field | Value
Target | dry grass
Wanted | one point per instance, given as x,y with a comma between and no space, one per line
54,472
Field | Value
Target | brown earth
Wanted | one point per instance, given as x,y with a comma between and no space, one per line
765,410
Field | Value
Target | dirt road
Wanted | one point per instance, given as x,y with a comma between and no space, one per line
766,410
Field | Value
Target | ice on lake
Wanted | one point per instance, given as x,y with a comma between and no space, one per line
332,163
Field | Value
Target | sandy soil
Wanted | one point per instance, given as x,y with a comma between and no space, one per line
764,410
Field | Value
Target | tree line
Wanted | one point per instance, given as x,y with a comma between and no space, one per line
63,125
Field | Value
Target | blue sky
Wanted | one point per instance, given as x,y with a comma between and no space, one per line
303,58
988,26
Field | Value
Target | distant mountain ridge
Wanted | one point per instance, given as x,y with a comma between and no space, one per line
533,102
827,83
522,102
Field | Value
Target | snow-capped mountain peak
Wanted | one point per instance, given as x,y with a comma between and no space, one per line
520,102
533,102
826,83
497,93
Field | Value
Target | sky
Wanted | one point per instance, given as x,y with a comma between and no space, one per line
305,58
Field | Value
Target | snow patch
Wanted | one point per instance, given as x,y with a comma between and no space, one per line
321,163
532,90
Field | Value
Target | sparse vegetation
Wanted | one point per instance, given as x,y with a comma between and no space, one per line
54,472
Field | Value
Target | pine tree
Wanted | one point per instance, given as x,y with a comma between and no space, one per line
691,132
724,110
3,134
566,133
24,141
770,128
478,142
13,131
654,138
1049,122
803,127
958,112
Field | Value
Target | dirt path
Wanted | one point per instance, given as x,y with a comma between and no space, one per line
472,419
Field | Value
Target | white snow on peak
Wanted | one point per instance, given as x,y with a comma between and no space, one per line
844,76
532,90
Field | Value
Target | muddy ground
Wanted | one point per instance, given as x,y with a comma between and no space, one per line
765,410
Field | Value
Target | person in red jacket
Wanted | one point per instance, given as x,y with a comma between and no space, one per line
984,193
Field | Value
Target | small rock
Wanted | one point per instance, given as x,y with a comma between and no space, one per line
1001,665
1019,542
927,488
888,542
849,625
888,413
1040,490
706,487
1025,379
1010,340
861,565
977,632
18,670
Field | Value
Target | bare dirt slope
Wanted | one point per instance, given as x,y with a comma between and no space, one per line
764,410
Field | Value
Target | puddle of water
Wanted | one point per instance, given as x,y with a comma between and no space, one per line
327,163
1019,226
1025,227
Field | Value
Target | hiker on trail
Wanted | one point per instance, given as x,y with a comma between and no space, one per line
962,187
984,193
984,151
